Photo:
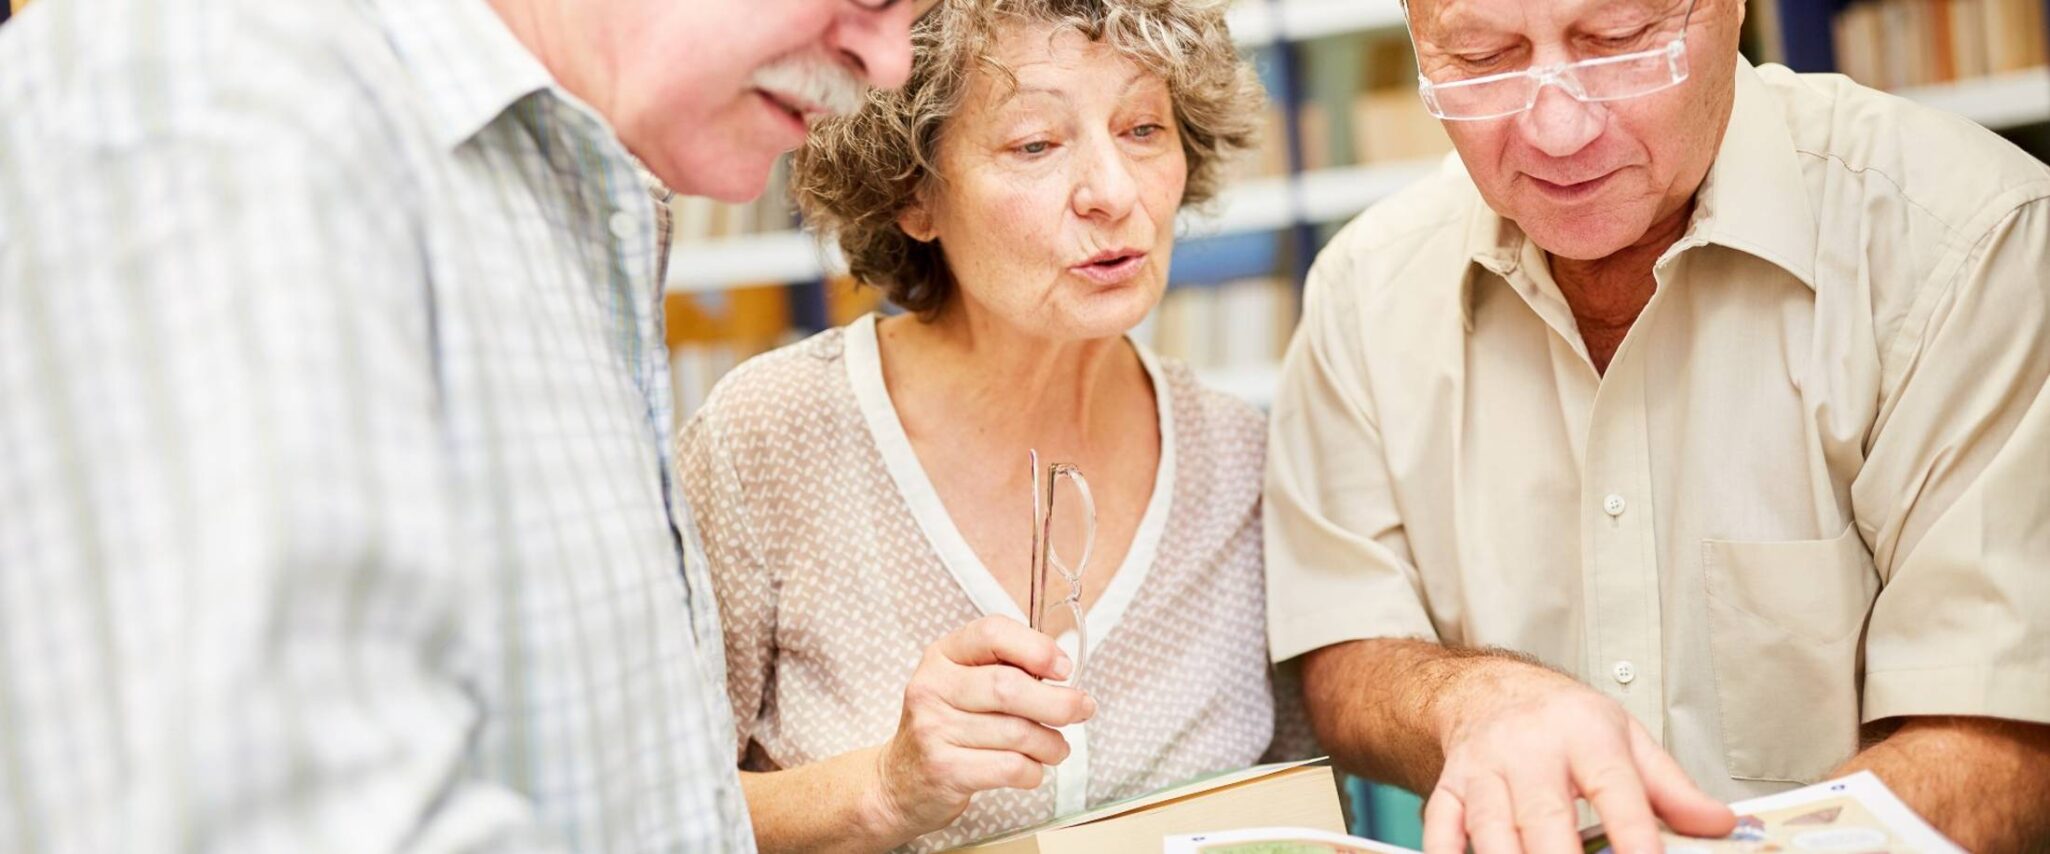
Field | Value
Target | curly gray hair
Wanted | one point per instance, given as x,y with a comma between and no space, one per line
856,174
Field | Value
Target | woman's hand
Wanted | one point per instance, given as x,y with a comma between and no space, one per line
976,716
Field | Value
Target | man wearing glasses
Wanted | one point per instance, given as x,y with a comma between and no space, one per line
1684,441
335,510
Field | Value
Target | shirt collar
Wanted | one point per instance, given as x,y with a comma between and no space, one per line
470,66
1752,200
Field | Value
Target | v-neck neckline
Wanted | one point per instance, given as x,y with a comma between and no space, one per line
863,356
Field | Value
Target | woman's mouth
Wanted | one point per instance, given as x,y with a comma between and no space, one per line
1114,267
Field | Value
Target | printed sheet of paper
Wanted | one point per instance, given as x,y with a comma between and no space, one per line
1852,815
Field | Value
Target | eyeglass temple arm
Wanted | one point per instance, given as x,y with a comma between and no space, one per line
1035,610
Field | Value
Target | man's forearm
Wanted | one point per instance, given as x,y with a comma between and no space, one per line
1377,705
1984,782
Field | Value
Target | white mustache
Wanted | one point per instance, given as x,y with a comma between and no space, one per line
814,80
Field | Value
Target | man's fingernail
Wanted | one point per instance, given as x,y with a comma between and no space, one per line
1088,706
1062,666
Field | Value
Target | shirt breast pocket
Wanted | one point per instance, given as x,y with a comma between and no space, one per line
1786,620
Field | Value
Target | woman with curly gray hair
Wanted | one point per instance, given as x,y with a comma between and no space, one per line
863,494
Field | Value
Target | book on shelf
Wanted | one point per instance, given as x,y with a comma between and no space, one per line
1361,105
1269,157
697,219
1763,39
711,333
1897,44
1236,324
1235,327
1296,793
1853,814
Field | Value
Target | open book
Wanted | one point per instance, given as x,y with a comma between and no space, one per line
1855,815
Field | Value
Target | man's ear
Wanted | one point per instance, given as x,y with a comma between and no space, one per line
916,221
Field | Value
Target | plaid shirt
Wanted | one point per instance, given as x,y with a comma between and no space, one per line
335,502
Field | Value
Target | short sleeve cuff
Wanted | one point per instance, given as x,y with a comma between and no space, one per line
1292,634
2004,691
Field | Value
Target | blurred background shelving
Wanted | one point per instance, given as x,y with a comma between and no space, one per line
1343,130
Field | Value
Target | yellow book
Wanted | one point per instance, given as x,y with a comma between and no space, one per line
1302,794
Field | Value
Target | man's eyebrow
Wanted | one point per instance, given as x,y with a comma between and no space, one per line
1463,22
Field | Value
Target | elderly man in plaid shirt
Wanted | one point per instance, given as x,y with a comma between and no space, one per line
335,506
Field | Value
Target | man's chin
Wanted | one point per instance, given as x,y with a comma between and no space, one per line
1583,237
729,188
734,179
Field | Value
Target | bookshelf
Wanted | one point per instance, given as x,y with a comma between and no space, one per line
1318,59
1262,204
1257,24
1276,220
1251,383
1998,101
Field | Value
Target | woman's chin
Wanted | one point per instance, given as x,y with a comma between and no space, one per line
1110,312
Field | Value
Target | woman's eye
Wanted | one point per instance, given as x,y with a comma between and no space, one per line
1147,131
1035,147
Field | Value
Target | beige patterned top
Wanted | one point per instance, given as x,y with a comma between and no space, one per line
835,565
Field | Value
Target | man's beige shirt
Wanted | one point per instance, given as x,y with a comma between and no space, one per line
1813,488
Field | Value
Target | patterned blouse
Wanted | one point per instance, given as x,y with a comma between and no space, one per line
835,565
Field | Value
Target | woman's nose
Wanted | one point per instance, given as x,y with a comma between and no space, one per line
1106,186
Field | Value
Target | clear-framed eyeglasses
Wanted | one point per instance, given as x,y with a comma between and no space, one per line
1046,559
1606,78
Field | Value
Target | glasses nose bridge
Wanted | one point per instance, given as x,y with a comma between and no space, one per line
1565,76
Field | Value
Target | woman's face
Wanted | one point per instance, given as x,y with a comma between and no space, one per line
1056,200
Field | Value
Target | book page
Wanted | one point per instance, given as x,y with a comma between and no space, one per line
1852,815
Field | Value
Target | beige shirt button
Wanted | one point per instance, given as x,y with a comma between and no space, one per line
623,225
1624,672
1613,505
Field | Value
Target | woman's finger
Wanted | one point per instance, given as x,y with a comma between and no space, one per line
969,770
1007,732
1001,640
1003,689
